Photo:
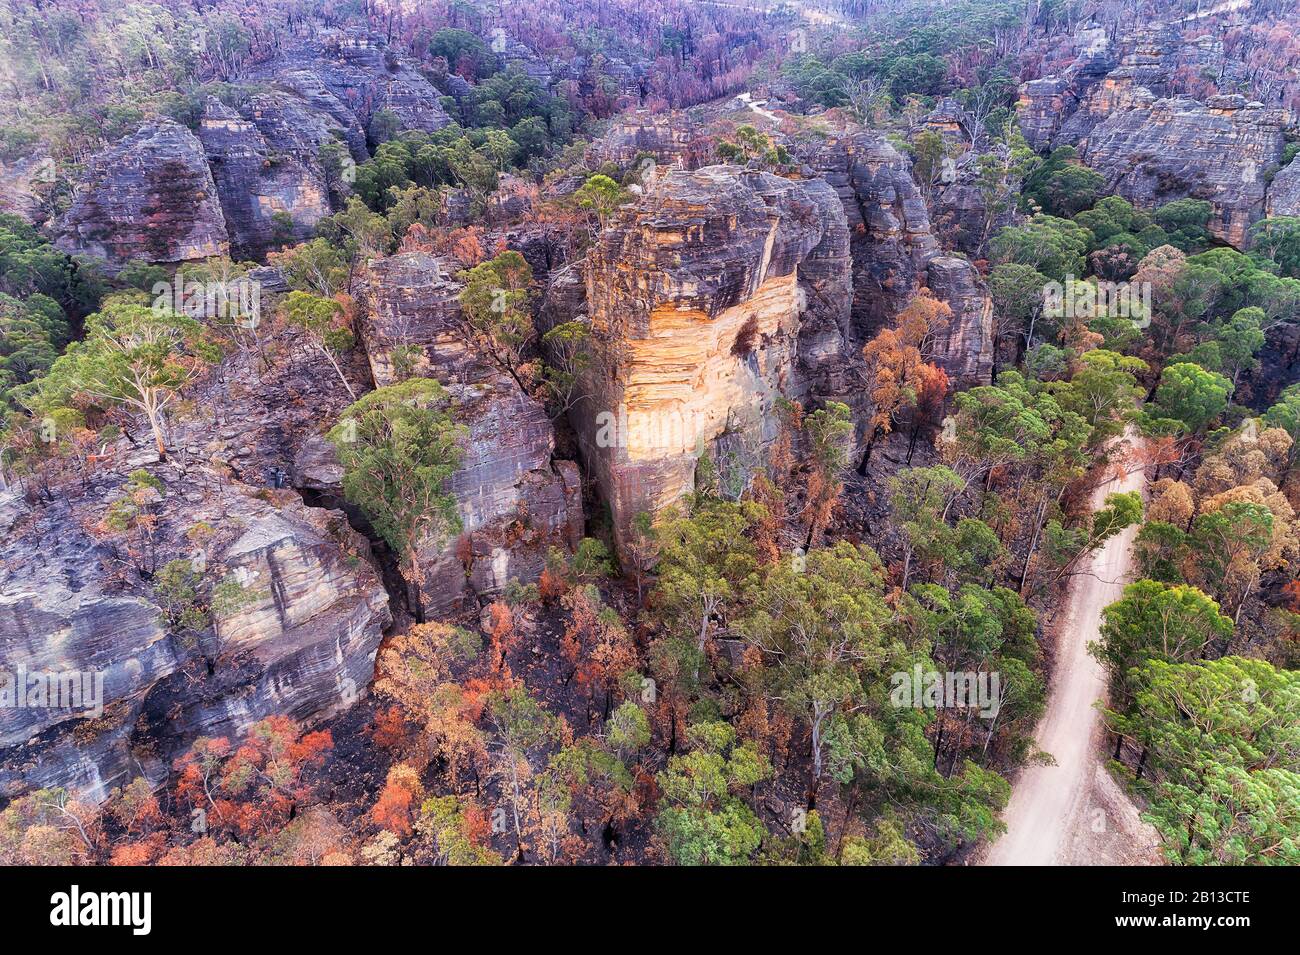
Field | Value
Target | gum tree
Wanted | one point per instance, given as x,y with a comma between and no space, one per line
132,356
399,446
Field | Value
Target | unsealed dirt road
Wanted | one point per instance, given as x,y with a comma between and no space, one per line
1073,813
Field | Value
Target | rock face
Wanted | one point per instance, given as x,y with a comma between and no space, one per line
514,501
1120,103
965,348
267,169
1046,104
961,214
1166,149
887,219
298,635
24,183
1284,192
699,298
352,75
671,139
515,55
151,197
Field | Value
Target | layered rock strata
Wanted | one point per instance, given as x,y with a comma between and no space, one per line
295,631
720,291
514,501
151,197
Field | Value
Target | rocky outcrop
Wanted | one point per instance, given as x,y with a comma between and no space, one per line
1047,103
514,501
721,290
24,185
889,225
1284,192
962,219
964,348
353,75
150,196
668,138
513,55
1122,101
273,190
295,631
1166,149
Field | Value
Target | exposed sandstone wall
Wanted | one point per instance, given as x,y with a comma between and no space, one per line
150,196
672,139
697,298
514,501
1161,150
891,238
301,642
266,167
960,206
964,349
353,75
1121,103
24,185
1284,191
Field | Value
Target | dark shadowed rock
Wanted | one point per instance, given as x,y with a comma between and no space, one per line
272,191
961,216
889,225
151,197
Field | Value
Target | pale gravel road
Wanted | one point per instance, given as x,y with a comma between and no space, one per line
1073,813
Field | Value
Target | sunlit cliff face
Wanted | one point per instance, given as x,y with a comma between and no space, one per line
697,299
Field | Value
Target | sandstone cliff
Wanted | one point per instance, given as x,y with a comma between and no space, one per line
297,637
1122,103
1284,192
24,185
1161,150
514,501
964,348
352,75
698,297
150,196
670,139
267,169
889,225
